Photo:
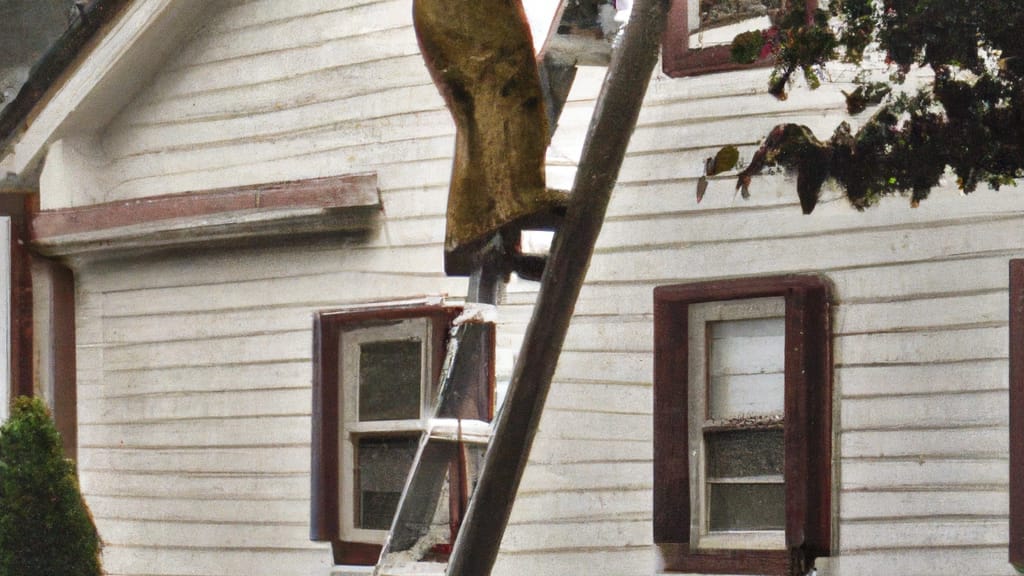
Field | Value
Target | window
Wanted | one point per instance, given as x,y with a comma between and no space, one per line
385,375
699,33
742,422
1017,413
377,371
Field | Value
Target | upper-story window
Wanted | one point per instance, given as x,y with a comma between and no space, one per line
376,377
385,380
742,422
699,33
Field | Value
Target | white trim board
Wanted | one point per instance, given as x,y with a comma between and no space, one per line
95,89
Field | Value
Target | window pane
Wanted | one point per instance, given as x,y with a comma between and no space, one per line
383,464
746,367
715,13
389,380
747,507
744,453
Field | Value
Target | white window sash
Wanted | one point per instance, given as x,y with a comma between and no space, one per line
700,315
349,426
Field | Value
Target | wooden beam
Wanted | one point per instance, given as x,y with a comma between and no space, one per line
54,334
329,204
329,192
16,206
1016,331
614,120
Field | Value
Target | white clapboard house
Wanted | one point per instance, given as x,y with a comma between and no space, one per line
215,209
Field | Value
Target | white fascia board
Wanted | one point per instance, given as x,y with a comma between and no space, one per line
5,318
541,16
106,80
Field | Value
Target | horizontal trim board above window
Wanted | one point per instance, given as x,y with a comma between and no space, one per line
318,205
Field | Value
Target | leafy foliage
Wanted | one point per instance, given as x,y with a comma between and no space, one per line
45,527
969,118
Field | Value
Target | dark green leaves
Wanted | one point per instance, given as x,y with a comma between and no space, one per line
45,527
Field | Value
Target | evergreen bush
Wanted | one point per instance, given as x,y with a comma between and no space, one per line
45,527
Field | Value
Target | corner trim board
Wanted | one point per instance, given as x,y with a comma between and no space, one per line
1016,431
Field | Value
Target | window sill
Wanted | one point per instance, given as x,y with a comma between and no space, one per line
415,569
754,541
676,558
223,216
682,62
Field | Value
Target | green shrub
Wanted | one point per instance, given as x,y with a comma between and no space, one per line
747,46
45,526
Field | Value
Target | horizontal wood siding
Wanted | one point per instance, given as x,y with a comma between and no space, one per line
195,367
325,88
920,344
195,402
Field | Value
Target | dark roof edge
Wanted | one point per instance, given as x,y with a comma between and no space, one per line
57,60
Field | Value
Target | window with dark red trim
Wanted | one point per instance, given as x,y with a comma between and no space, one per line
695,521
376,376
681,56
1017,413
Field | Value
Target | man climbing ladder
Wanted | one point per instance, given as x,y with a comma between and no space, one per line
480,55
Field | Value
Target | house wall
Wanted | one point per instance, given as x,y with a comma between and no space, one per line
328,88
195,367
920,346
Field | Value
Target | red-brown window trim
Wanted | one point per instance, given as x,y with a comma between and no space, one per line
18,206
808,429
327,329
678,60
329,192
54,335
1016,331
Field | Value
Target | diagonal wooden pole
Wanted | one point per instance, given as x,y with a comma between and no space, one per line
615,115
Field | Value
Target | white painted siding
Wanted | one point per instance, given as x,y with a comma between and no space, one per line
195,368
195,401
920,346
279,91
